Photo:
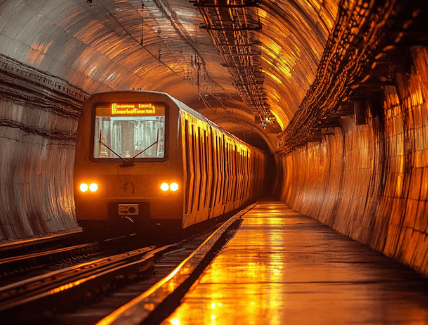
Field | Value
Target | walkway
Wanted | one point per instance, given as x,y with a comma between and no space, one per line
285,268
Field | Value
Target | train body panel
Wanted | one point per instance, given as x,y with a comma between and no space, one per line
129,143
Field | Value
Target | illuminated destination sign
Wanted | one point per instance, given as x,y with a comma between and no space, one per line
131,109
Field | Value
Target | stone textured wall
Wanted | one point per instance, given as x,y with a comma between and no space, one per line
38,123
370,181
35,175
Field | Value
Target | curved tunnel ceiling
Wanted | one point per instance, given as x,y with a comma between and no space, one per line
103,45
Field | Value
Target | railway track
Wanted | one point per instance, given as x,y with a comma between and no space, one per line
68,286
69,295
18,264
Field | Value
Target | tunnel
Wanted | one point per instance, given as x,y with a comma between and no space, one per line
334,90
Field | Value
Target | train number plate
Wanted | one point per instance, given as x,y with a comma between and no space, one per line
128,210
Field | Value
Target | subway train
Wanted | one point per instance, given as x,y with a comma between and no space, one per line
145,162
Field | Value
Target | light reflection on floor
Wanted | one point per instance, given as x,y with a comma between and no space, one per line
284,268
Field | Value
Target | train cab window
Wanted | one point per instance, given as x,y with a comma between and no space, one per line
129,130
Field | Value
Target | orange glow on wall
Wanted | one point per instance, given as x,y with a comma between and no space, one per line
273,77
278,119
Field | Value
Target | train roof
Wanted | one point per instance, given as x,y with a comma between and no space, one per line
199,116
188,110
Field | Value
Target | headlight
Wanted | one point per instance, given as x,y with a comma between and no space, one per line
84,187
164,187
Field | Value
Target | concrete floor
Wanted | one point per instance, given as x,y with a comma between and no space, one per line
285,268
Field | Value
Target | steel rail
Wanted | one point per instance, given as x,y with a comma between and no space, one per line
82,277
14,260
140,309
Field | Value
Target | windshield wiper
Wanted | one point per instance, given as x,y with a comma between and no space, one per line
157,139
124,160
129,162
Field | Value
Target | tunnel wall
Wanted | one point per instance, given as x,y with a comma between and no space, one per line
370,181
36,184
38,122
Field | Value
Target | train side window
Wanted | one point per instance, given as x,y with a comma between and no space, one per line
218,170
227,172
235,172
222,171
235,162
238,173
232,172
200,167
243,172
194,167
213,168
247,174
224,163
206,162
230,163
188,170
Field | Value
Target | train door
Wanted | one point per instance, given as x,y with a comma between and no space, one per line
202,180
220,175
213,173
188,171
207,171
196,173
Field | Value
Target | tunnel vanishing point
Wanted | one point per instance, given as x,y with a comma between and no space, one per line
336,90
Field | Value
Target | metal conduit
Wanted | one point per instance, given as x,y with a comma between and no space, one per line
233,26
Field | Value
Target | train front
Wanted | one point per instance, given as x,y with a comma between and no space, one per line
128,168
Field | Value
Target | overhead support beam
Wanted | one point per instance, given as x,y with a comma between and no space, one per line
240,45
231,28
259,82
235,42
242,67
249,4
242,54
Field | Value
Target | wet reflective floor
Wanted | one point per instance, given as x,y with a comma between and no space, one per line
285,268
